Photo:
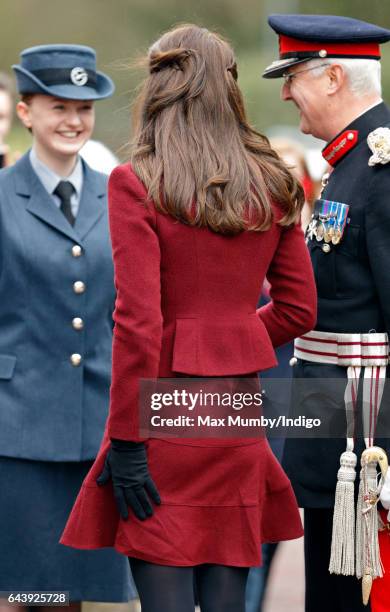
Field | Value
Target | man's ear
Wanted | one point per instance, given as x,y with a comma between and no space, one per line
336,78
23,112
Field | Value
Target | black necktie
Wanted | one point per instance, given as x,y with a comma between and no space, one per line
64,191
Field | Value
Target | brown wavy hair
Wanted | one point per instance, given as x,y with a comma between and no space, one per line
193,147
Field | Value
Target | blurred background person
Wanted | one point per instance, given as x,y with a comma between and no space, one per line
99,157
294,156
6,112
277,396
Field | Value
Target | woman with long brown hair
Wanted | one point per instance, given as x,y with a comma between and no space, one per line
202,213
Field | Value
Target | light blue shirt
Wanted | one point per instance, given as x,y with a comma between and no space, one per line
50,180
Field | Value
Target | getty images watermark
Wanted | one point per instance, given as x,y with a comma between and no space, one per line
218,407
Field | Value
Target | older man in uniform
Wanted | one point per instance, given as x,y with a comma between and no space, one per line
331,72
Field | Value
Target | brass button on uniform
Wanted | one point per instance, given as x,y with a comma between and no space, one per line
75,359
78,287
326,248
77,323
76,250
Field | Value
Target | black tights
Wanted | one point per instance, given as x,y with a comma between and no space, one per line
220,588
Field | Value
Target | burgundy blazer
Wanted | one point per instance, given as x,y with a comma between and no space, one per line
186,297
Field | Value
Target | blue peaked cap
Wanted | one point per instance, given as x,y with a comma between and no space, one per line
63,71
328,28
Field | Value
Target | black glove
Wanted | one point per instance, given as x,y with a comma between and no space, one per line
127,465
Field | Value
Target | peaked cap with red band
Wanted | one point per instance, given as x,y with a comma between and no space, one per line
306,37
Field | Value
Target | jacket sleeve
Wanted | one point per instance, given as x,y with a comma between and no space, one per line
377,232
292,310
137,315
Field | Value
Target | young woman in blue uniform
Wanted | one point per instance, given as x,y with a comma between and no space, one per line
57,295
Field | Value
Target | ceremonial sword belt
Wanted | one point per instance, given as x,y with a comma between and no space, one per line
367,353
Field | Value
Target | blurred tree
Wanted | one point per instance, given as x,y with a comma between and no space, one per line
124,29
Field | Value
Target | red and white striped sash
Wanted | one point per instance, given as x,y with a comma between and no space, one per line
359,350
355,351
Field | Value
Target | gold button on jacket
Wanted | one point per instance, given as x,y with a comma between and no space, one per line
78,287
76,250
75,359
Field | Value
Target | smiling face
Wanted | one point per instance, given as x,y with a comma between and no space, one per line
59,127
309,92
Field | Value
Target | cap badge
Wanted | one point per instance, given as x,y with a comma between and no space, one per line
78,76
379,143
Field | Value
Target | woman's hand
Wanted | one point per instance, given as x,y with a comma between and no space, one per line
126,464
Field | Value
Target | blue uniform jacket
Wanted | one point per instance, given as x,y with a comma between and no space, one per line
56,301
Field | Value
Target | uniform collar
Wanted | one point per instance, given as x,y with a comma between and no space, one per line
50,179
355,132
93,204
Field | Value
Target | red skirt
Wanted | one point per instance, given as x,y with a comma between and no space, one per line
380,592
220,502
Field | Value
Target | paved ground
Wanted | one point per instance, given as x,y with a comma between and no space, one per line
287,582
285,590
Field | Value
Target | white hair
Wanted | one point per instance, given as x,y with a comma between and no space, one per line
364,75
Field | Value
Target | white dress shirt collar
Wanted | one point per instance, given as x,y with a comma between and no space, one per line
50,179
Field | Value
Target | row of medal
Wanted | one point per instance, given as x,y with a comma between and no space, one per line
328,222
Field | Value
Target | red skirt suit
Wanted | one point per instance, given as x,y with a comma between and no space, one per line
186,305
